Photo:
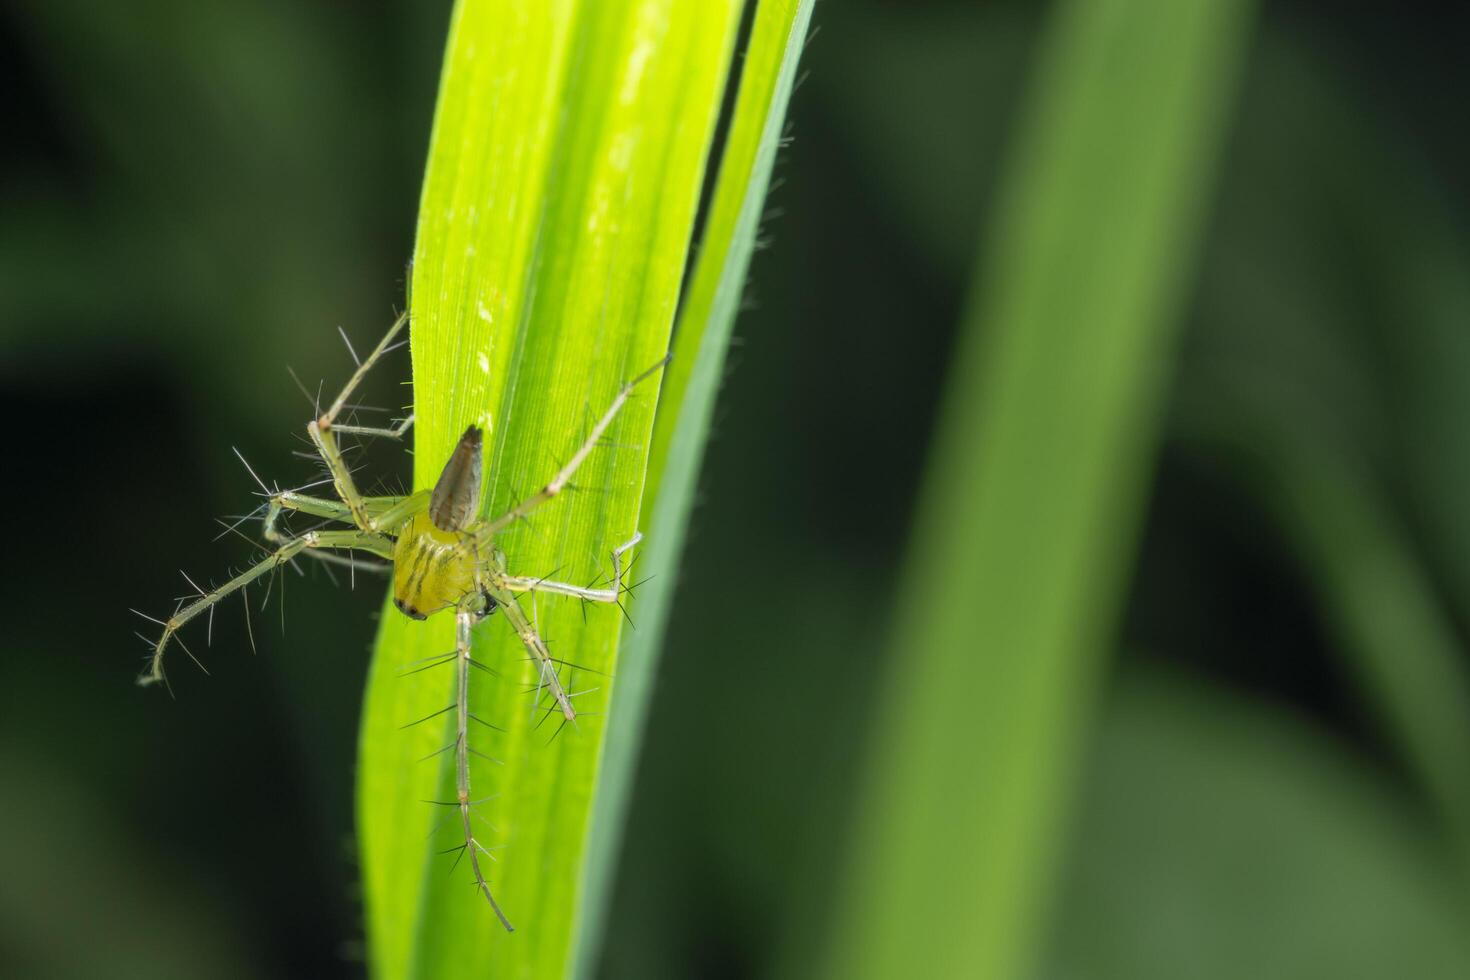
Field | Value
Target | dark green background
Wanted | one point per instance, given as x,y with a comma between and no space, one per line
195,194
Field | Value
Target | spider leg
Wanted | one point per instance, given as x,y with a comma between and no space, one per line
464,621
393,432
324,428
332,510
505,601
518,583
375,543
559,481
329,417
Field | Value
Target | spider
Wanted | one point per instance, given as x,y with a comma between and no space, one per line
443,556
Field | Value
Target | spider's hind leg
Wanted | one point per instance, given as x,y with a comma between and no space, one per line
465,618
358,540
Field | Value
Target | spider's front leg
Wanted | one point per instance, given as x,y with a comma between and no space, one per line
559,482
324,428
356,540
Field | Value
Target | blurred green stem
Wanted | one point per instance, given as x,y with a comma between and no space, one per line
1375,594
1034,489
1388,620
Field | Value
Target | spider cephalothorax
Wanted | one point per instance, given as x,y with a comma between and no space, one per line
434,561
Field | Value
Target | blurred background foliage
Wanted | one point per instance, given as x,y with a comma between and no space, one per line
194,194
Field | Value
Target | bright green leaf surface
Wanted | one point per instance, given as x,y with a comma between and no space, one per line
767,76
1034,489
564,170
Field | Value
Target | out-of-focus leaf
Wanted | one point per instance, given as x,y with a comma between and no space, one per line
1325,372
1221,839
1034,489
932,171
101,916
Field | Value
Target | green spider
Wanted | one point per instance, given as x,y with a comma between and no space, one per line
444,557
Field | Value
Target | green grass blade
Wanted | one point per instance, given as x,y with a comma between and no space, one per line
1222,835
767,75
1357,466
1383,608
1034,490
1376,594
564,170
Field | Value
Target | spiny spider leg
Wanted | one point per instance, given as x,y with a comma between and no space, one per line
353,565
383,508
505,600
332,510
396,432
464,622
518,583
375,543
559,482
322,431
329,417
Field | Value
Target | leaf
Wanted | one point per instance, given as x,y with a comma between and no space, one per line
1034,491
691,383
1374,591
564,170
1222,838
1361,467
